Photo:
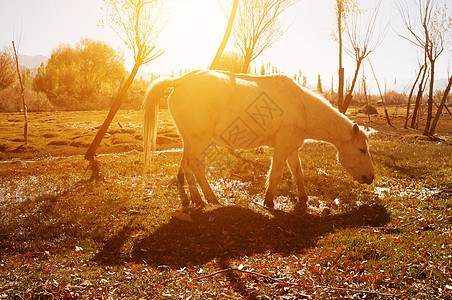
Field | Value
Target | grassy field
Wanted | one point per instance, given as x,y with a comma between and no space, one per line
63,237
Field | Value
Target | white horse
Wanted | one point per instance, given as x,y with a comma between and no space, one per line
243,111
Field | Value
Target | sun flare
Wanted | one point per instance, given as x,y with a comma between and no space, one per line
194,32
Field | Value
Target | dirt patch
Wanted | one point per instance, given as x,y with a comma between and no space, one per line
81,142
122,130
121,138
25,148
49,135
59,143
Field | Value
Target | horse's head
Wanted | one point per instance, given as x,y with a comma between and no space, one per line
355,157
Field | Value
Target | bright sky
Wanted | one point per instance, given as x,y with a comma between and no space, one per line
196,29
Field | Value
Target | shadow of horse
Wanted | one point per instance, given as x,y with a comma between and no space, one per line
232,232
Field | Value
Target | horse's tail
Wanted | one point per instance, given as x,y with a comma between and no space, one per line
150,114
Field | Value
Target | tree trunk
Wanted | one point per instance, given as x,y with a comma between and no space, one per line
23,96
349,96
227,33
409,98
418,99
367,99
430,98
91,152
440,108
246,63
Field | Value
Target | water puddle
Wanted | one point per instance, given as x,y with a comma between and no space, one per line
32,187
230,191
55,158
369,130
413,191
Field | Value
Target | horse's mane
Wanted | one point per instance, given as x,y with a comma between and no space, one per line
322,102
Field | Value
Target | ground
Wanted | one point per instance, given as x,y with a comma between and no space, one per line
62,236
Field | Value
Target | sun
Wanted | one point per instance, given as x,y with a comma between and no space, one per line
187,12
193,34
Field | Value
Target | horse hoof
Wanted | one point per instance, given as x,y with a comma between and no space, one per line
325,212
301,208
200,204
213,201
269,204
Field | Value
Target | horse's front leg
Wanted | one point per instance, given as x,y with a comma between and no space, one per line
293,160
274,176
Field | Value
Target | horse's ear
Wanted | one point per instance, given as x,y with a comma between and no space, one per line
355,129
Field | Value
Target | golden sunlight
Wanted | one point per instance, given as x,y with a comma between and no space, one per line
194,32
187,12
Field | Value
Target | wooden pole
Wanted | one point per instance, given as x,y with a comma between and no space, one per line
340,88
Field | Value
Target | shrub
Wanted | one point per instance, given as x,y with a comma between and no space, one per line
11,100
369,109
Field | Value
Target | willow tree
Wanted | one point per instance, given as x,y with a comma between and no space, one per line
7,69
258,26
138,23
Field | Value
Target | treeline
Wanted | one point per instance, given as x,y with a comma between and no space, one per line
87,77
83,77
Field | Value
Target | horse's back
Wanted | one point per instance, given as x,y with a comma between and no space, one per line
208,103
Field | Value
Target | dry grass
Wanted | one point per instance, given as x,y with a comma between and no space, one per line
64,237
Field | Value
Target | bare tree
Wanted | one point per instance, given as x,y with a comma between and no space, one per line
343,8
411,95
258,26
444,23
427,29
440,108
360,44
420,92
138,23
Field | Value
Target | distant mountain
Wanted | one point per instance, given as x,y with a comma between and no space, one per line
404,86
32,62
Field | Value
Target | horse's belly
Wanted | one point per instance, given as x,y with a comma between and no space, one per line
242,133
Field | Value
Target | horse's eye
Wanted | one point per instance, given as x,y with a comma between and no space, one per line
363,151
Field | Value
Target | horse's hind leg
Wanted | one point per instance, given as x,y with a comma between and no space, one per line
181,188
195,196
293,160
197,165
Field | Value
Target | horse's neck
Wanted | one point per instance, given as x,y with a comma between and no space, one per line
328,125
